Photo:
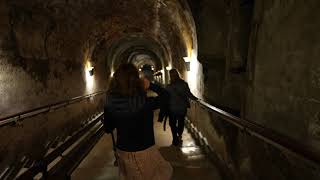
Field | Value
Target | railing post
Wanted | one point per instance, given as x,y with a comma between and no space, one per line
43,168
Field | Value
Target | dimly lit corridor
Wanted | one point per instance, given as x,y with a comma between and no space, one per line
254,65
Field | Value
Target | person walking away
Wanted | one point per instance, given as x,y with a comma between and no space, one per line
130,112
180,94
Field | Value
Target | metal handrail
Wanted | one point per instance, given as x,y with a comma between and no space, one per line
43,109
49,158
276,139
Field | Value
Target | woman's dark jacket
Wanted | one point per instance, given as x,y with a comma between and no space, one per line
133,118
180,94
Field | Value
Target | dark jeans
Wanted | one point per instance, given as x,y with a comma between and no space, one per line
176,122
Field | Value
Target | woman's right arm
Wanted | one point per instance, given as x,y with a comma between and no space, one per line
161,100
157,89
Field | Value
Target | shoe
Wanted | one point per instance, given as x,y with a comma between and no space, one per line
115,163
180,139
180,142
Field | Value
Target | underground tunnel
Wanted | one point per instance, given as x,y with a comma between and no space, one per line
253,64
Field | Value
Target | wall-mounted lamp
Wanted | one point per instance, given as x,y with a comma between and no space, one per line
168,68
91,71
187,66
187,61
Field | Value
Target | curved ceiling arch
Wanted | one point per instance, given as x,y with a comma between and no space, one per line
124,47
136,51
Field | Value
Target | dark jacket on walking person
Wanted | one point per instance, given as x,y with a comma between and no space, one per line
132,116
130,112
180,94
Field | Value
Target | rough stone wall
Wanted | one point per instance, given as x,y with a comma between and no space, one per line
285,88
176,32
43,57
246,157
223,29
283,94
212,28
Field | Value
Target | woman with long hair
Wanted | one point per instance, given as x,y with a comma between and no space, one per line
130,112
179,103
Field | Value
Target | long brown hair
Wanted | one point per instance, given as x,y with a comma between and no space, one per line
174,75
126,81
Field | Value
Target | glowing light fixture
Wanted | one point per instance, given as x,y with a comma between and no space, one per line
89,70
187,66
187,59
168,68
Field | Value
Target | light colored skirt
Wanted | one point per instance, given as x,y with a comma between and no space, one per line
143,165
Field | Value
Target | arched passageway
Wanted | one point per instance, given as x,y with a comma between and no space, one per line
253,63
139,51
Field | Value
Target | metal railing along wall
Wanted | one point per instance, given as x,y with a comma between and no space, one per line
34,167
4,121
275,139
62,161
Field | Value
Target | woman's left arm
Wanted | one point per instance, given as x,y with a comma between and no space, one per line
190,95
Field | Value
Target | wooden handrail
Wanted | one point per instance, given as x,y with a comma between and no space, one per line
43,109
276,139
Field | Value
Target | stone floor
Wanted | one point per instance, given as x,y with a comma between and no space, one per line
188,160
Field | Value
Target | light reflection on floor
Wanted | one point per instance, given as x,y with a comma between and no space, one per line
188,150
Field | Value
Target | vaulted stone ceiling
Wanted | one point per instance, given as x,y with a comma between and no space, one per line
74,30
47,45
